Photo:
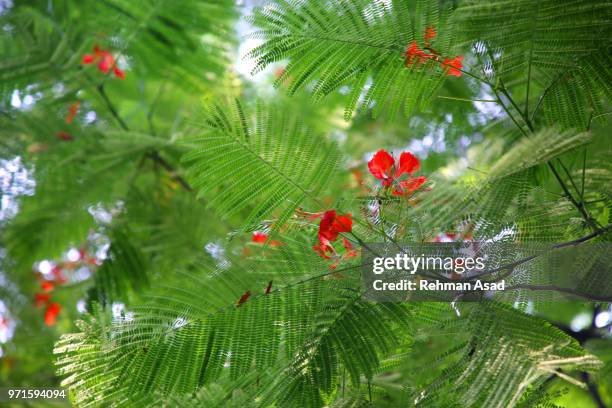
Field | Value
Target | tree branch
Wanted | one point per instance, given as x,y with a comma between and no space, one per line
154,155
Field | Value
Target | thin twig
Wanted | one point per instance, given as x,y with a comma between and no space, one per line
154,155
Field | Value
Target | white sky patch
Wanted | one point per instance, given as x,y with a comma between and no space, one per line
15,180
118,309
581,321
90,117
45,267
73,255
244,64
102,252
217,251
100,214
81,274
602,319
81,306
179,322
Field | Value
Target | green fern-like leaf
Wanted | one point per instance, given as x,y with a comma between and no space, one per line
358,44
263,160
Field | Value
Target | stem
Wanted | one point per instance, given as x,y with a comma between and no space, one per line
571,179
584,157
111,107
579,206
466,100
154,155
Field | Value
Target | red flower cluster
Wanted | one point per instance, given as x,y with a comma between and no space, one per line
105,61
72,112
330,227
57,277
383,167
52,309
414,55
454,65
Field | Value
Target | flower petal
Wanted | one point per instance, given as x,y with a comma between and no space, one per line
51,313
88,59
118,73
408,163
380,165
72,112
430,33
332,224
409,185
454,65
259,237
106,62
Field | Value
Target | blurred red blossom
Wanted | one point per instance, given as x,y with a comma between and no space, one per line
261,238
72,112
105,61
454,65
430,34
415,55
41,299
53,309
64,136
46,286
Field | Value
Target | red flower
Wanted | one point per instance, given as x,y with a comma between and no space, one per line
409,185
332,225
415,55
51,313
350,250
261,238
41,299
64,136
382,166
105,61
454,65
72,111
430,34
408,163
244,298
46,286
323,249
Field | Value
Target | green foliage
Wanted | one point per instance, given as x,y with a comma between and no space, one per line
359,44
515,150
289,162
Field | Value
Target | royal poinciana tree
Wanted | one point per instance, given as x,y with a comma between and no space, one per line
176,233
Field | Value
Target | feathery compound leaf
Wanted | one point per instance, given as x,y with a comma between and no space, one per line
337,43
262,162
180,341
509,352
549,34
542,147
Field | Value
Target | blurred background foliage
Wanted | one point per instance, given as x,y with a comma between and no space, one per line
96,200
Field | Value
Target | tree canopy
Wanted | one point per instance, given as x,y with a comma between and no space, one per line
187,190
